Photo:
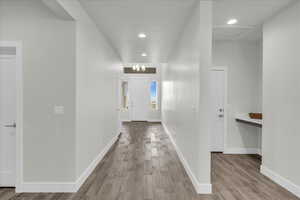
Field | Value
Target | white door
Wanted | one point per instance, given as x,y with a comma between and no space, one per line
218,108
139,91
7,120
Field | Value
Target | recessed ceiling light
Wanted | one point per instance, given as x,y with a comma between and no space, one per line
142,35
232,21
144,54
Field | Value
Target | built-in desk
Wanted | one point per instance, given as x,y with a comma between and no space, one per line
244,118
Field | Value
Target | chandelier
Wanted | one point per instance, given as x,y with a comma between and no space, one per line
138,68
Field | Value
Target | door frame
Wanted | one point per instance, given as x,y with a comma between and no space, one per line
121,80
19,109
225,70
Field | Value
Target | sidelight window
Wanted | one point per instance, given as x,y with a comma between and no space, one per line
154,95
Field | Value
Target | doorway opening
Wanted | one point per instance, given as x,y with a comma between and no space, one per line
140,94
10,114
218,78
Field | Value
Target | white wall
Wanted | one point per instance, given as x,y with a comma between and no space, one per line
66,63
154,115
281,97
243,60
49,80
185,92
97,76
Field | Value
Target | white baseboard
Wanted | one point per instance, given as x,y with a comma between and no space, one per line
242,151
285,183
155,120
87,172
6,178
204,188
39,187
67,187
152,120
200,188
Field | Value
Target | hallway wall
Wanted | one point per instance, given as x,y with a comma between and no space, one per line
281,86
185,94
48,80
66,63
243,60
97,76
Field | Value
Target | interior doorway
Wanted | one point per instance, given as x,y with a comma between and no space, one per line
11,111
8,63
218,77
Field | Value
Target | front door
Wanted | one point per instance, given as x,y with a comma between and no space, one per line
7,120
139,90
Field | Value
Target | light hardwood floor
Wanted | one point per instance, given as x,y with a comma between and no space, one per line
143,165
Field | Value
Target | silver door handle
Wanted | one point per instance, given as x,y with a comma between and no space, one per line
14,125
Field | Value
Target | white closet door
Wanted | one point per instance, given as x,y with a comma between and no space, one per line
218,99
7,120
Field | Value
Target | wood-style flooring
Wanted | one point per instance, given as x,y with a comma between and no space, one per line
143,165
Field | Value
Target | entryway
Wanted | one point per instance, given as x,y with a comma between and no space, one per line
140,97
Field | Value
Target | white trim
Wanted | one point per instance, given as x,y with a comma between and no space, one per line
88,171
225,69
119,108
200,188
242,151
36,187
154,120
204,189
7,56
19,109
287,184
259,152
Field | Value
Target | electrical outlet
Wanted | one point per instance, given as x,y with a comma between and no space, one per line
59,110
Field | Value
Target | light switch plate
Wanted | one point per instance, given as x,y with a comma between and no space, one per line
59,110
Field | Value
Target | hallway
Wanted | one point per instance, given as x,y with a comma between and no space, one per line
143,165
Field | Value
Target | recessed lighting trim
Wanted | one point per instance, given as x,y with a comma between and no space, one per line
144,54
142,35
232,21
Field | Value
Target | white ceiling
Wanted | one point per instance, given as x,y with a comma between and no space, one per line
250,13
163,21
122,20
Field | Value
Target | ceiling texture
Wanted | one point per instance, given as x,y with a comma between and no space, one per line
163,20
